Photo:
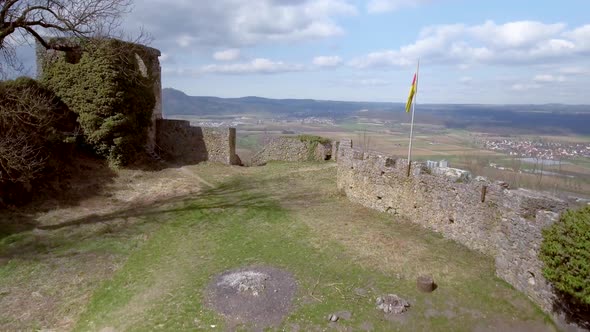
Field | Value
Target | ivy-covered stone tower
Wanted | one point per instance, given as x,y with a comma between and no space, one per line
114,87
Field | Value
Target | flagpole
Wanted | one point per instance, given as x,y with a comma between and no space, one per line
412,124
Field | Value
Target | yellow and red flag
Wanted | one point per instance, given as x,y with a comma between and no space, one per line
412,93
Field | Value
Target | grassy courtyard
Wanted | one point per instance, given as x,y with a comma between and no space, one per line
147,267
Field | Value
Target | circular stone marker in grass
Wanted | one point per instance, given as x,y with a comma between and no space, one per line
256,296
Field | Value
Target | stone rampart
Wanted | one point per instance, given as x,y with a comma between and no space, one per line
179,141
292,148
507,225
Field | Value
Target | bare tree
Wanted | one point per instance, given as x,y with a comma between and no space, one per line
59,18
30,120
21,161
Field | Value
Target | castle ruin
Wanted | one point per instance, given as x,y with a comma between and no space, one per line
482,215
175,140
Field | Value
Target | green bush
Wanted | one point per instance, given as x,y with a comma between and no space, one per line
566,254
35,128
104,85
313,139
312,142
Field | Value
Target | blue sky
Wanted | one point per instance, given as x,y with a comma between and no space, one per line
499,52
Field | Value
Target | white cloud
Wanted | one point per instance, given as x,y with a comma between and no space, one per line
167,58
256,66
362,82
184,40
373,82
181,72
235,23
381,59
383,6
227,55
574,71
489,43
548,78
515,34
466,79
327,61
581,36
525,86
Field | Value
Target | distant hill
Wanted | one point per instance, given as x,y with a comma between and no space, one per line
176,102
530,119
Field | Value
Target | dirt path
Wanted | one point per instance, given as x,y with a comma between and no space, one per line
312,169
190,171
131,188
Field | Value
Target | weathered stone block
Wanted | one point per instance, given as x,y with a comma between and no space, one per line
425,284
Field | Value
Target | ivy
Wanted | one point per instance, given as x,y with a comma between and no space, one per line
312,142
104,85
566,253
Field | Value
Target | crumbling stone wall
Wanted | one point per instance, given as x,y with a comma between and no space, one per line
156,72
452,209
335,146
291,148
517,259
506,226
179,141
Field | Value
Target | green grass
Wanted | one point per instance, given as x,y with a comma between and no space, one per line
581,162
248,141
288,216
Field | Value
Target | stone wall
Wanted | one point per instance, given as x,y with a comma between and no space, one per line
506,226
177,140
291,148
517,260
156,73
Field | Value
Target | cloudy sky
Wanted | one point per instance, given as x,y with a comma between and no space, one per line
516,51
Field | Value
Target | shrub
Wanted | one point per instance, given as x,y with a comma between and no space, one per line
34,128
110,91
312,142
313,139
566,254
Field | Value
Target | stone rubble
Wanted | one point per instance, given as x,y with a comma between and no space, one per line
392,304
246,281
333,318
